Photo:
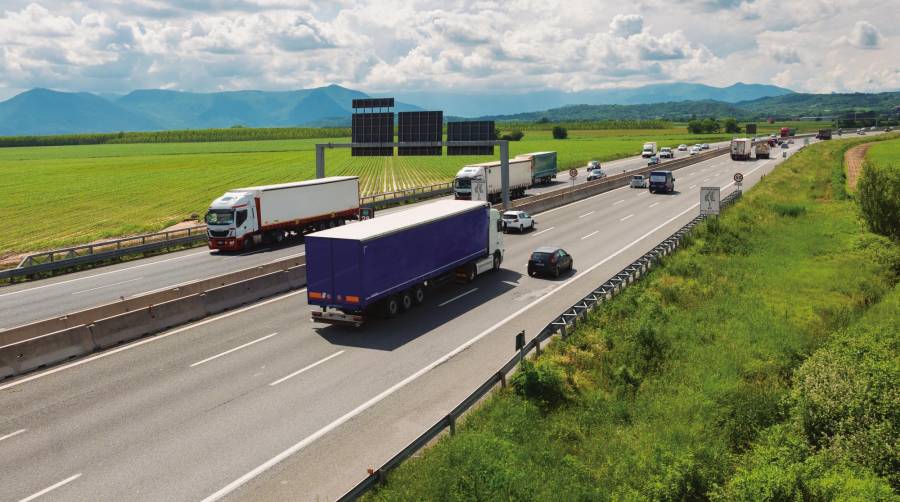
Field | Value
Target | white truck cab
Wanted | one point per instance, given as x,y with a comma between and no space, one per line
232,216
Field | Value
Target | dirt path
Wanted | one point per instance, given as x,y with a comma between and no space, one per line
854,160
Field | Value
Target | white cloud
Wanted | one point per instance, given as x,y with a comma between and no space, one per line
865,35
392,45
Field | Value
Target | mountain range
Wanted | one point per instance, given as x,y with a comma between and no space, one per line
44,111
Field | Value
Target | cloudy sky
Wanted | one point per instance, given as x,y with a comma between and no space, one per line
390,45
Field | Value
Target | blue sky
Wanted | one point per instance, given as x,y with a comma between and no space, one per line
503,46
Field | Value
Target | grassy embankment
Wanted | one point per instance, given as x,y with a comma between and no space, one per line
64,195
759,363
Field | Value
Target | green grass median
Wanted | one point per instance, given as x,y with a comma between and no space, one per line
721,375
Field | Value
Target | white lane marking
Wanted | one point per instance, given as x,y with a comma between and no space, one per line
311,366
11,434
288,257
104,273
618,202
692,186
457,297
106,286
510,283
587,214
51,488
229,351
149,340
303,443
542,231
705,180
654,204
595,232
625,218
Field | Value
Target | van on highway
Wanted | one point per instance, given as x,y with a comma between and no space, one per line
662,181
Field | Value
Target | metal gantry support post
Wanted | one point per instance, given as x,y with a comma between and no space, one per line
320,161
504,172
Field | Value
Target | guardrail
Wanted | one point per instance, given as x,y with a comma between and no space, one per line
562,325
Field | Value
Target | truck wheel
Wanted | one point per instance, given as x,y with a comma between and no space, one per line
391,306
496,266
278,236
406,300
470,273
419,295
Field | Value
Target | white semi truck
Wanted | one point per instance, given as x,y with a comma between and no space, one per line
519,179
741,148
649,150
245,217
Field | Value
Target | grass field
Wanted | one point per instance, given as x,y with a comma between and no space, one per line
693,385
63,195
885,152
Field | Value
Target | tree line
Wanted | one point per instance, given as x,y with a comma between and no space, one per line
178,136
712,125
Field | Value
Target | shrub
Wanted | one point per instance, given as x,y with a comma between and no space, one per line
544,381
879,198
791,210
560,132
515,135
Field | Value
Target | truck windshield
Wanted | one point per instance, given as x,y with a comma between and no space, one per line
463,183
220,217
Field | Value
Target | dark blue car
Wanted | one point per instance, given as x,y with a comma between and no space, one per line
549,260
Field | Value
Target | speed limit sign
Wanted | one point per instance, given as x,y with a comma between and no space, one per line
573,173
738,177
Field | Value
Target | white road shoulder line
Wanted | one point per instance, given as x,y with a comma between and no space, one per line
618,202
108,353
587,214
692,186
457,297
542,231
107,286
595,232
11,434
230,487
311,366
654,204
51,488
625,218
102,274
229,351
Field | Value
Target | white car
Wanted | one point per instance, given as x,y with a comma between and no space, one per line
594,164
695,150
596,174
638,181
666,153
682,148
518,220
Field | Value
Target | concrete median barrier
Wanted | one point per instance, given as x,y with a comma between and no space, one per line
243,292
45,350
297,276
21,333
177,312
121,328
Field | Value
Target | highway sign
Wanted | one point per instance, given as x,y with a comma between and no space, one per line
573,173
709,200
738,177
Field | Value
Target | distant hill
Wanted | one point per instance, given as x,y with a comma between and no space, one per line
505,103
42,111
786,106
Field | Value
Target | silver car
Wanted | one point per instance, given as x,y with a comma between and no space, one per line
638,181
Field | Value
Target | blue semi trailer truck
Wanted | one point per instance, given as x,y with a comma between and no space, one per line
386,265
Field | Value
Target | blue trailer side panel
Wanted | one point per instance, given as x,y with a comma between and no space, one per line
338,268
397,261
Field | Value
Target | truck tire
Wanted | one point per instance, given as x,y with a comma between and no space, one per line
406,300
391,306
419,295
278,236
471,272
497,260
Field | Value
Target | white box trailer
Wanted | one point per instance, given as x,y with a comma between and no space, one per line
649,149
247,216
741,148
519,179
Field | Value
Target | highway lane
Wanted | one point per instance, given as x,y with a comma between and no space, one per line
33,301
186,414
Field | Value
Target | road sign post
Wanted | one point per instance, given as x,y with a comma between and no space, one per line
738,181
709,200
573,173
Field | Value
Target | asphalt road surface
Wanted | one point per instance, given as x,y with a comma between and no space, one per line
261,404
34,301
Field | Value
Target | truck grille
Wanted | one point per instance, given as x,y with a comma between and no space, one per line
218,233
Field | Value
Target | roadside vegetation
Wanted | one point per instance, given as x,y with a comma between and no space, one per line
758,363
110,190
879,189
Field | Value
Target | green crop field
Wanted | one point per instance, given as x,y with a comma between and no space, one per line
63,195
885,152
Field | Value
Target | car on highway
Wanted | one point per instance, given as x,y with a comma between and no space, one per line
594,164
785,145
873,128
861,132
596,174
888,129
695,150
638,181
705,146
517,220
682,148
652,161
666,153
549,260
